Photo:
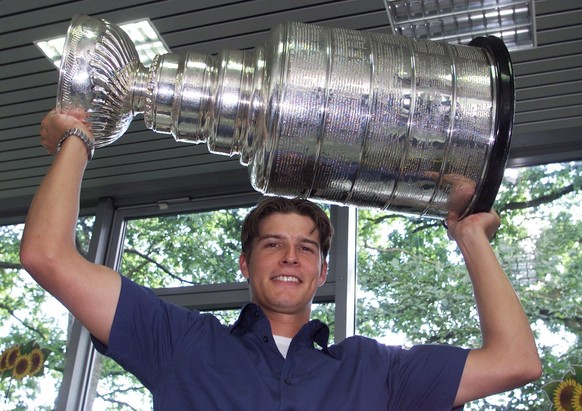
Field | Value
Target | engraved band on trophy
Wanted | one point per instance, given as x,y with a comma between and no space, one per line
334,115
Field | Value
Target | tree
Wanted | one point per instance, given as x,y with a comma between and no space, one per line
416,285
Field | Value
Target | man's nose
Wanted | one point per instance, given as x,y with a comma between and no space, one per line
290,256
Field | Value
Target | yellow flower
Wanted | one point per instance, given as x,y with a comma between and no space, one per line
12,354
577,398
4,361
23,360
563,395
36,361
22,367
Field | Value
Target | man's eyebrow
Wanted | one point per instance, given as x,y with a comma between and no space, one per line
268,236
281,237
310,241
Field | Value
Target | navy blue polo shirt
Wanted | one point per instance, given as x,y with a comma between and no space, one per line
189,361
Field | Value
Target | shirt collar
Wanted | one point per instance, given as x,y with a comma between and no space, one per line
251,315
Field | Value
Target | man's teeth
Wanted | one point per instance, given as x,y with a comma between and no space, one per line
287,279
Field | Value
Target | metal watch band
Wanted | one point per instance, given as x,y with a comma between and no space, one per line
81,134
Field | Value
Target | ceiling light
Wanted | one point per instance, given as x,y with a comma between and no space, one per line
143,34
459,21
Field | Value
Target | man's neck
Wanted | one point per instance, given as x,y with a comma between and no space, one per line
286,325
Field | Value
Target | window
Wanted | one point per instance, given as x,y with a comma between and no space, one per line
183,249
187,250
413,286
28,313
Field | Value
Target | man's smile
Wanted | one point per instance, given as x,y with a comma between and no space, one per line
287,279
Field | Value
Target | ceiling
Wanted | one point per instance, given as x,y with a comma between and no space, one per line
144,166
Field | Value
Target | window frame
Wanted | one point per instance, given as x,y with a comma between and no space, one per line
107,248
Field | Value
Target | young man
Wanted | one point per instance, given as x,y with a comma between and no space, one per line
268,359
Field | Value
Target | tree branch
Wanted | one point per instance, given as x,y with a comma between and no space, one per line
110,396
573,323
384,217
124,404
398,250
10,266
160,266
544,199
26,325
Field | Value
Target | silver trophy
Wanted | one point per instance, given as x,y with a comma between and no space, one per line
334,115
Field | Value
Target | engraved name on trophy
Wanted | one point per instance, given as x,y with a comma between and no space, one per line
334,115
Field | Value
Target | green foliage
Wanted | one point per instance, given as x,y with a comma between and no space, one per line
410,284
201,248
326,313
414,283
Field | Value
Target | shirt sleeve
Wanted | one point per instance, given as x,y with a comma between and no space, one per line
146,331
426,377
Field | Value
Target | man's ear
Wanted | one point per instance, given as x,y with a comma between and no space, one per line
243,265
322,275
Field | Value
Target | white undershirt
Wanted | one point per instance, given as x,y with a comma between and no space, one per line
282,344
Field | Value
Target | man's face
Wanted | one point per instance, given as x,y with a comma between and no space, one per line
286,267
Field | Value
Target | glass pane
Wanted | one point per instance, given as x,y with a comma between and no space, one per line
28,313
181,250
325,312
171,251
226,317
413,286
118,390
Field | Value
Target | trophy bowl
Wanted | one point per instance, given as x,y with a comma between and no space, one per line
97,73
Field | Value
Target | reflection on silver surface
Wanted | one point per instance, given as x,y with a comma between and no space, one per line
337,115
97,71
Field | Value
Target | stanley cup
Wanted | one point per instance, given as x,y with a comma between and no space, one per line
340,116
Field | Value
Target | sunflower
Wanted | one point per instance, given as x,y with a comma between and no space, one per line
36,361
563,395
4,361
22,367
577,398
12,355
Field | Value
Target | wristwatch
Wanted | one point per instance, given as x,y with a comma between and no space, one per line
81,134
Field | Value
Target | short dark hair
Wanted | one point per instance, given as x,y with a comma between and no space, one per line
271,205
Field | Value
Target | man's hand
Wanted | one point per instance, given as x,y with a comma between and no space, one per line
488,223
54,125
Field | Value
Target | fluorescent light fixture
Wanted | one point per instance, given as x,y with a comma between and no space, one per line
143,34
460,21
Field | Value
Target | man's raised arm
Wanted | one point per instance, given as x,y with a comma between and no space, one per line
508,357
48,249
